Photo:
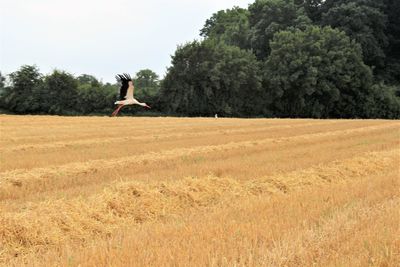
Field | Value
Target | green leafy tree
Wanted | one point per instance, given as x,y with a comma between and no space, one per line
93,96
230,26
2,81
365,22
21,96
312,8
95,99
268,17
88,79
392,69
316,73
211,77
59,93
3,90
385,102
147,83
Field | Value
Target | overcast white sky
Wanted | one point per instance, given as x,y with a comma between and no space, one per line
100,37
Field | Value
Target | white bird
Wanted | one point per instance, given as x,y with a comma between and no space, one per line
126,93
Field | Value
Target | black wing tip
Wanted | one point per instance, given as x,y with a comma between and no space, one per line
125,77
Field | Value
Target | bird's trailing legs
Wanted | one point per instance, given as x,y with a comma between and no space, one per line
117,110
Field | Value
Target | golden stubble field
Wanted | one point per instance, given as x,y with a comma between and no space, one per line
99,191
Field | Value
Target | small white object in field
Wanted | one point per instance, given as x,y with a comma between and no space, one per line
216,116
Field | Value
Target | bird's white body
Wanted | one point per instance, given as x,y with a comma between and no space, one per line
126,93
129,101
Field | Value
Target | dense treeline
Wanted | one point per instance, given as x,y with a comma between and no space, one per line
63,94
291,58
277,58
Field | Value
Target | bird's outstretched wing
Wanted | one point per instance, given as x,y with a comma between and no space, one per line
124,80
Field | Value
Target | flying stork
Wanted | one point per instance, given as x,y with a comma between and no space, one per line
126,93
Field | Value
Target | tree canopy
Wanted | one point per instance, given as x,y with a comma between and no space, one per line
21,96
300,68
147,83
211,77
268,17
363,22
62,93
230,26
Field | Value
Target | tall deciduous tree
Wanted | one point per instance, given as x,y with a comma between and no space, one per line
230,26
316,73
95,99
60,93
362,20
88,79
312,8
3,91
268,17
21,96
147,83
2,81
211,77
386,102
392,69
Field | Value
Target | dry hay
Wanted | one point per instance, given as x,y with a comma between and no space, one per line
93,208
48,224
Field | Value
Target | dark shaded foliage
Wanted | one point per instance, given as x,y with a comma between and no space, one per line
269,17
230,26
211,77
300,73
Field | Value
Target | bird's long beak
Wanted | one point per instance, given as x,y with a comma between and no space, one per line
147,106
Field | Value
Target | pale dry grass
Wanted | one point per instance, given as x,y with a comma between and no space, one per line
357,227
178,191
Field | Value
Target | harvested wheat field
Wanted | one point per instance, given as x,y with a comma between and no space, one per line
99,191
